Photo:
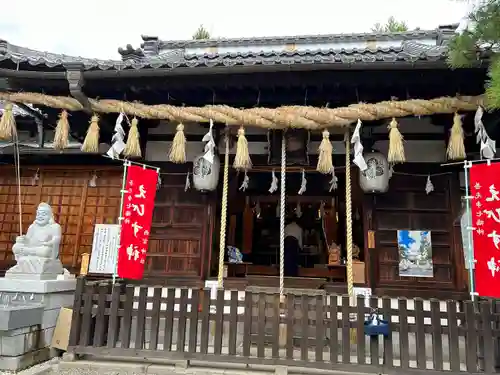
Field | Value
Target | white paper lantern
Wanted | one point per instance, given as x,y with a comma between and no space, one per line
375,179
205,174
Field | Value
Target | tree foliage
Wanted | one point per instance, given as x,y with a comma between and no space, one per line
480,40
201,33
391,26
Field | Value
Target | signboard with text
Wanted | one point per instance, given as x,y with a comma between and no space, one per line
104,249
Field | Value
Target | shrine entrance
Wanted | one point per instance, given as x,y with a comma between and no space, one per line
318,215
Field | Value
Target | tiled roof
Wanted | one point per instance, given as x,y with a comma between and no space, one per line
327,49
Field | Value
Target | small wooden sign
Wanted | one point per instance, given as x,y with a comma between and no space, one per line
84,268
371,239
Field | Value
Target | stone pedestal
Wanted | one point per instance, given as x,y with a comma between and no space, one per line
28,316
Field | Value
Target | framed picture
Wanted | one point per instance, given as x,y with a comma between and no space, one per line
415,253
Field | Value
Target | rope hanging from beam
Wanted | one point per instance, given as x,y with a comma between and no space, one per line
303,117
298,117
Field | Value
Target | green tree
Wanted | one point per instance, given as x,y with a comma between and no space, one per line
201,33
481,41
391,26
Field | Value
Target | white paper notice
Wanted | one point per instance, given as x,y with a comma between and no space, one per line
104,248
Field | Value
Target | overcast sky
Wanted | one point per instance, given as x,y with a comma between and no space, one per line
96,28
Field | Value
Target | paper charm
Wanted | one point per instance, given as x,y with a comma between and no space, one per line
117,141
93,181
210,145
244,184
359,160
274,183
391,170
429,187
257,210
187,186
303,184
487,145
298,210
35,178
333,182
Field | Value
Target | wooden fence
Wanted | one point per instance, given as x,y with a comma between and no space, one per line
310,330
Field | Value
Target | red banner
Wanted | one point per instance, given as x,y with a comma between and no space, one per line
137,214
485,204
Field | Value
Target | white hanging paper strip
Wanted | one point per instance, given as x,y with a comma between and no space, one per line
257,210
210,145
93,181
429,187
187,186
333,181
244,184
35,178
274,183
298,210
158,183
391,170
303,184
359,160
117,141
487,145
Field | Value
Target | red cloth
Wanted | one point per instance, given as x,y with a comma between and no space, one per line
485,207
137,214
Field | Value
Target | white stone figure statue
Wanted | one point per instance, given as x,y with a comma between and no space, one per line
37,252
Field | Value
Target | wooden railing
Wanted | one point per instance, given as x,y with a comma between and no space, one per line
310,329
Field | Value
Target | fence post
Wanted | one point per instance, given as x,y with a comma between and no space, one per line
76,319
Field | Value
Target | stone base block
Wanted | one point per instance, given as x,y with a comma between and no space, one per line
28,316
19,316
25,360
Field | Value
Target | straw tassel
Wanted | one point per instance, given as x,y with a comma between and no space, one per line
396,152
7,123
242,161
178,149
456,146
325,162
91,142
133,146
61,137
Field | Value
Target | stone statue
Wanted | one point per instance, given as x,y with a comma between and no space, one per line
37,252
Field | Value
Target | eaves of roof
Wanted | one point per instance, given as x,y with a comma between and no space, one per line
408,51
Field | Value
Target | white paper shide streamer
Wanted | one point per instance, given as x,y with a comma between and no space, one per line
487,145
187,185
303,184
210,145
35,178
117,143
359,160
93,181
333,181
298,210
158,183
429,187
274,182
246,181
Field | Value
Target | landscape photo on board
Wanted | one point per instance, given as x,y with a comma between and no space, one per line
415,253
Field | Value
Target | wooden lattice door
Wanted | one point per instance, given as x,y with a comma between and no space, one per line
180,229
77,205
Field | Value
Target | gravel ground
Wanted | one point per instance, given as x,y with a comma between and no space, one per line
37,369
